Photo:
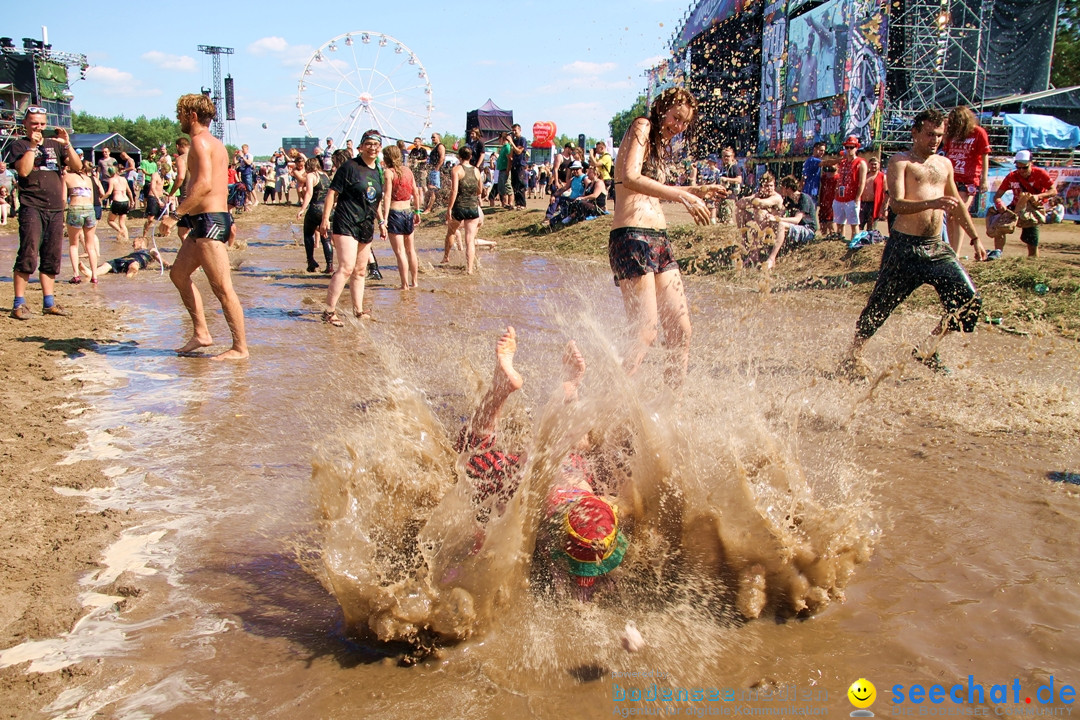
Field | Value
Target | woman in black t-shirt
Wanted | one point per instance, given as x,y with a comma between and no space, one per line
357,204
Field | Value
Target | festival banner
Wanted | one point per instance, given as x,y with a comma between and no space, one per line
1066,182
794,112
704,16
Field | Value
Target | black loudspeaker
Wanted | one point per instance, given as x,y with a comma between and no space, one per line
230,104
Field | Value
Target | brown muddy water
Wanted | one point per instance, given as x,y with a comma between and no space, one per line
915,516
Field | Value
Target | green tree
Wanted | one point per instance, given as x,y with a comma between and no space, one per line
1065,67
560,141
622,120
145,132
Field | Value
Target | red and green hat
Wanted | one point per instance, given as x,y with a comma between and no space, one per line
592,545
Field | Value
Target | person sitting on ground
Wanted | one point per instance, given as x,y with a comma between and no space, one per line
591,203
764,208
800,224
581,541
129,265
1056,213
574,187
760,215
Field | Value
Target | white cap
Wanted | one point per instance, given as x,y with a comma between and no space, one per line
1024,156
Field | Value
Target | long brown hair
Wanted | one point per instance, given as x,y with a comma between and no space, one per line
657,147
960,123
392,156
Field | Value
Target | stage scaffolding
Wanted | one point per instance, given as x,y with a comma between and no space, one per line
937,57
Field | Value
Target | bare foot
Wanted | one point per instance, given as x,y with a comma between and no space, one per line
507,378
573,364
232,354
573,370
195,343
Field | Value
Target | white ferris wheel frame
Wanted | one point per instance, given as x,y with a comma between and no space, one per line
366,97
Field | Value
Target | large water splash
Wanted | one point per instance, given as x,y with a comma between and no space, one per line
725,523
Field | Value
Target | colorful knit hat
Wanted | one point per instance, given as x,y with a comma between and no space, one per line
593,544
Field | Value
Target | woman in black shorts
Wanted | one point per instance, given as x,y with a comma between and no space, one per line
466,191
354,210
119,196
404,214
317,184
638,246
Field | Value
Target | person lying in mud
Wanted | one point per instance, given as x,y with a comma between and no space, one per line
580,542
130,264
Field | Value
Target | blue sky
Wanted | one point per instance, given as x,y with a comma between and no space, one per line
572,63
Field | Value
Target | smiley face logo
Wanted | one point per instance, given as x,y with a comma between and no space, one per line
862,693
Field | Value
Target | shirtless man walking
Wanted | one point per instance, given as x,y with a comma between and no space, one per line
205,213
178,192
921,190
155,206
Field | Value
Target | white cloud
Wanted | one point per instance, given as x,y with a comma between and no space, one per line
267,45
118,82
183,63
277,46
583,67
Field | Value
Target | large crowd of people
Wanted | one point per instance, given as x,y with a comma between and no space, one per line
346,198
844,196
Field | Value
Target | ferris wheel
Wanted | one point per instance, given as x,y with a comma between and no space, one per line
360,80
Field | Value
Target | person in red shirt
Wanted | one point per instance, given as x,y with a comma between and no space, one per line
875,197
827,193
850,183
1029,184
968,148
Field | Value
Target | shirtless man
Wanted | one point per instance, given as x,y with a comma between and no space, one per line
921,190
178,193
205,213
155,206
764,208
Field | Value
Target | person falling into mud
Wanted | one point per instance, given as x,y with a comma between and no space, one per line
921,190
205,212
581,540
129,265
638,248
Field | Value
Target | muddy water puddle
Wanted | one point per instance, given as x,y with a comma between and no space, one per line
974,570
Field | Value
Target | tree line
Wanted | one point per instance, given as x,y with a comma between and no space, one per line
144,132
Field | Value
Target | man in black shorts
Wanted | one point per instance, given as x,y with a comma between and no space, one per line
921,190
38,162
205,213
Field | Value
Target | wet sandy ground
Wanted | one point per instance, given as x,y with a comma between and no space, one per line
975,570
